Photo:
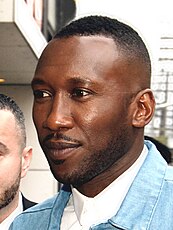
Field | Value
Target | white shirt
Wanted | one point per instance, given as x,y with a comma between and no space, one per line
7,222
81,212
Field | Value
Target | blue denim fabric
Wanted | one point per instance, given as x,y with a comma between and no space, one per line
147,206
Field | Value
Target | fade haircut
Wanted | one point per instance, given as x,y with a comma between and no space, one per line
126,38
8,104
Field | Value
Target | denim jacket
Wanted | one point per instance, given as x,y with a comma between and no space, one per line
148,204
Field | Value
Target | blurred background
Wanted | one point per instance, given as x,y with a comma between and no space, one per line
27,25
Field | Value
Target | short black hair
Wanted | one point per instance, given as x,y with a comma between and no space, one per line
7,103
125,37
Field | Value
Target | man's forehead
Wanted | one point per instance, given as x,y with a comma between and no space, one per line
77,49
94,57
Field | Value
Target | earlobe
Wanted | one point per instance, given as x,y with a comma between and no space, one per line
26,160
145,105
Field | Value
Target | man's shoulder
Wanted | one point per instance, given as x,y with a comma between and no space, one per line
37,215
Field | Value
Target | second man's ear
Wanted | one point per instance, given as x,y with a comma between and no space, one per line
26,160
144,109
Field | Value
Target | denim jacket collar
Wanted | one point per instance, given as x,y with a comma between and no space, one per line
59,206
142,197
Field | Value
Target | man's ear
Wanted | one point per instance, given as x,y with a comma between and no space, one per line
144,109
26,160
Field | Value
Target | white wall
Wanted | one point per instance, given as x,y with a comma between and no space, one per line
39,183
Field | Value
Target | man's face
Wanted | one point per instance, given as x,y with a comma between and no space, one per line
10,158
81,107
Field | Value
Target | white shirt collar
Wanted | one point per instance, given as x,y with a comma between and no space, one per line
95,210
7,222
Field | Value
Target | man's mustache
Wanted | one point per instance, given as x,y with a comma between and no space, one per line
59,136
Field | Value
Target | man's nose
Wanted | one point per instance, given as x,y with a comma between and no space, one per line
60,116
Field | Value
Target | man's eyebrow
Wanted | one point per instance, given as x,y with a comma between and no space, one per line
79,80
37,82
72,81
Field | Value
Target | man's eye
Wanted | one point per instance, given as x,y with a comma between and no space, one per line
80,93
38,94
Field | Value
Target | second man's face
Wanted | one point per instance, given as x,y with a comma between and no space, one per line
81,107
10,158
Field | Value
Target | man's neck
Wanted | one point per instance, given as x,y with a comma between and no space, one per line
99,183
7,210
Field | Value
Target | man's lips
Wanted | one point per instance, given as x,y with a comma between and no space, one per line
60,150
60,145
